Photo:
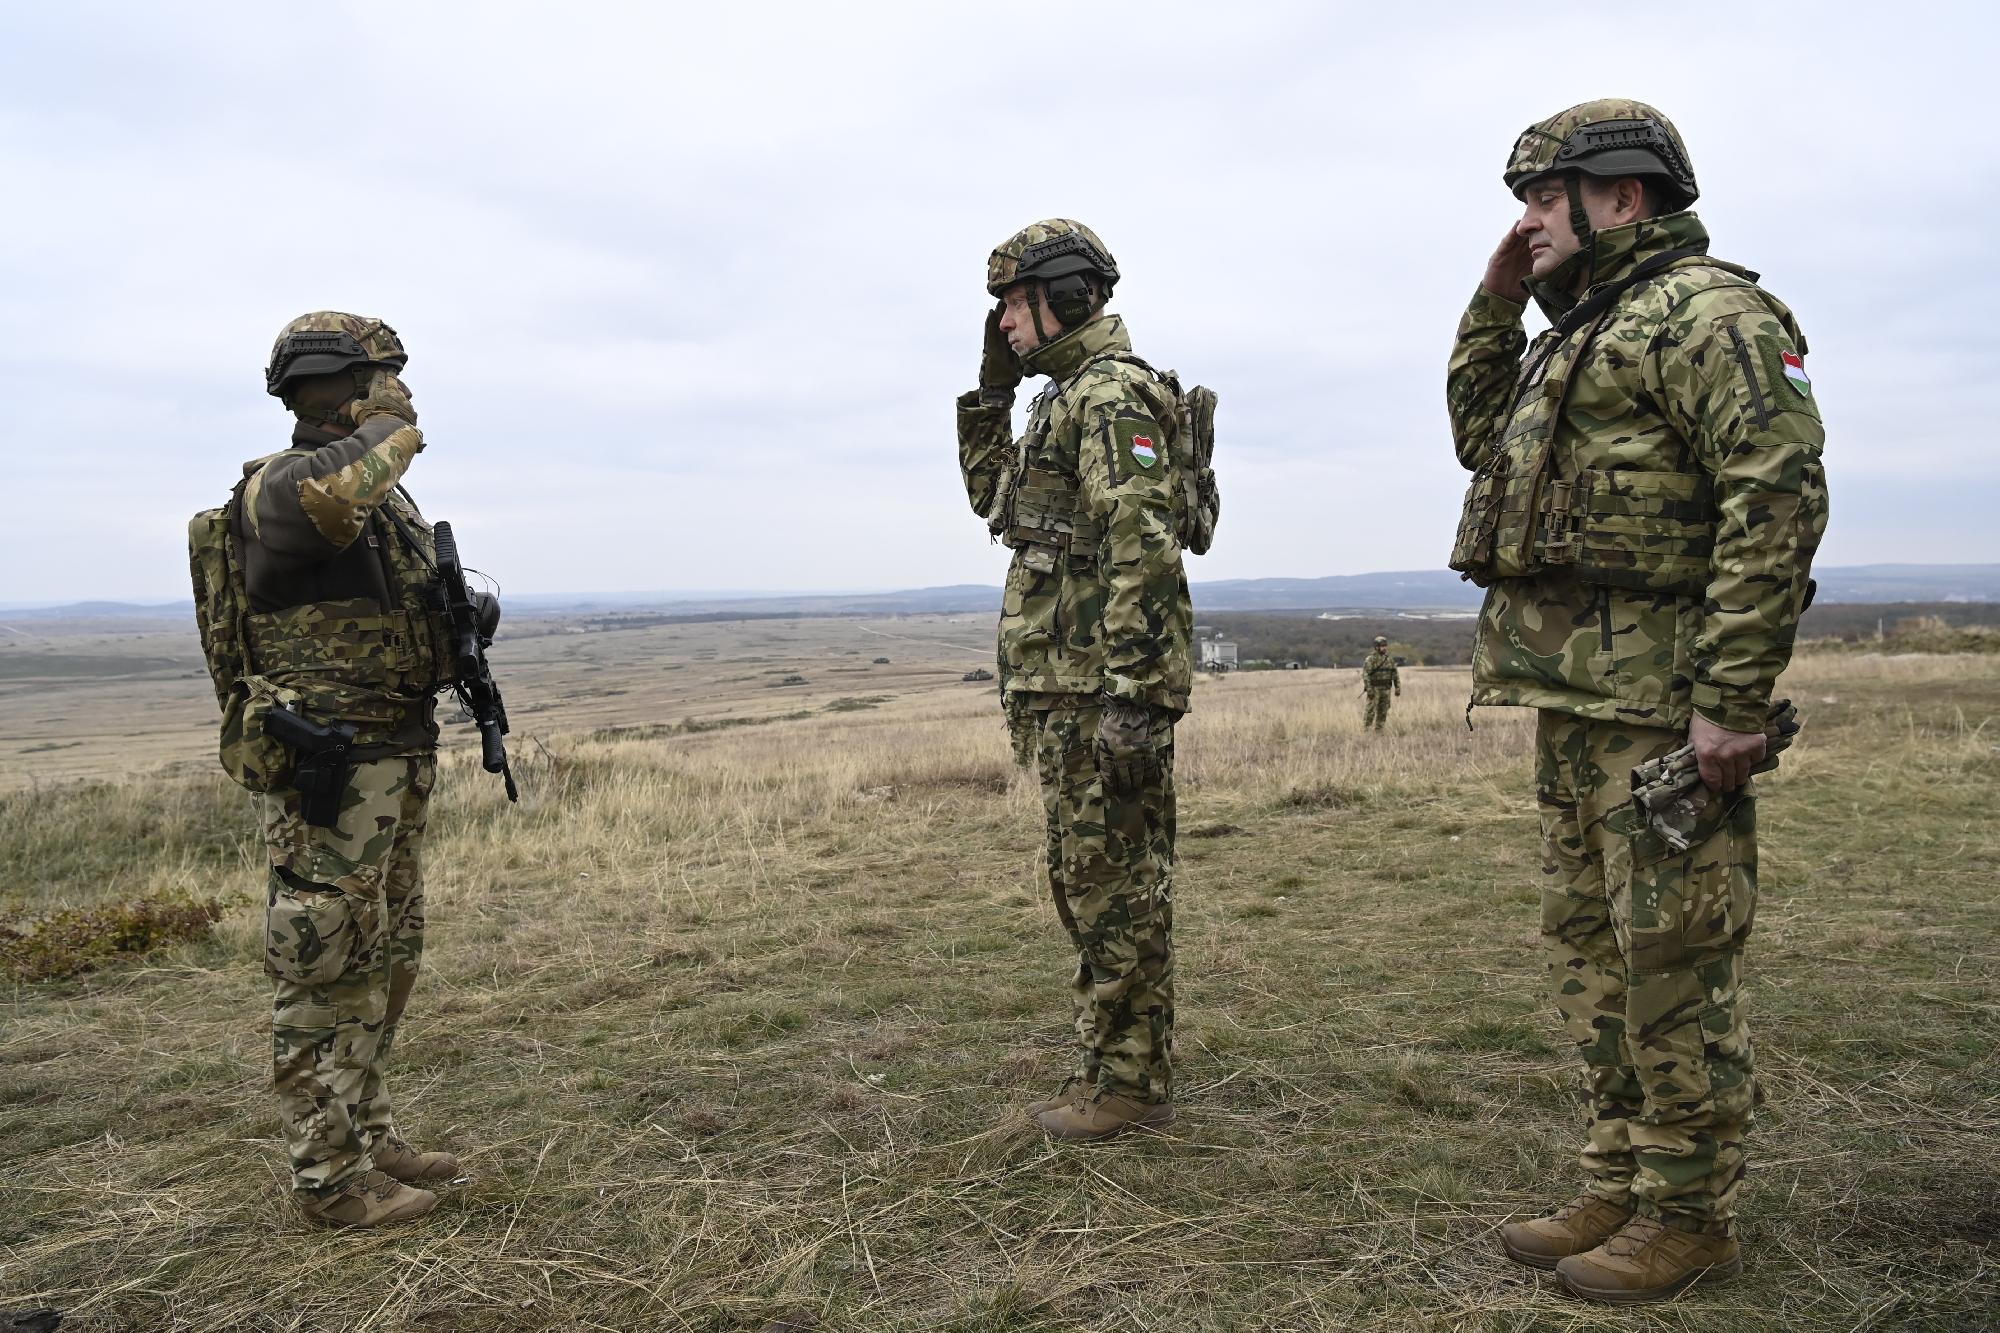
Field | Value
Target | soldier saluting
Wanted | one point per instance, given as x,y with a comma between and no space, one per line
1098,500
314,589
1647,499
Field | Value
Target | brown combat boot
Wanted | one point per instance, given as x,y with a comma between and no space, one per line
393,1157
1063,1094
1584,1223
1649,1261
370,1199
1087,1116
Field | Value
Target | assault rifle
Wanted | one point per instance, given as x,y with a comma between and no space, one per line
469,625
1669,795
325,762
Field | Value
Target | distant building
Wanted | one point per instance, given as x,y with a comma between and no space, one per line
1218,655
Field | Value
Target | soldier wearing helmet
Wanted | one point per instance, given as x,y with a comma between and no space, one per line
333,565
1094,650
1647,497
1379,677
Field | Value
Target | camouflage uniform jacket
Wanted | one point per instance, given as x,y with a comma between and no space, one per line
338,595
1096,601
1378,672
1694,370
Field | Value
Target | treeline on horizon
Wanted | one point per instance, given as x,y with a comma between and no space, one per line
1281,637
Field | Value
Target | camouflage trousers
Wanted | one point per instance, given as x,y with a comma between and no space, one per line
344,936
1110,869
1644,952
1375,712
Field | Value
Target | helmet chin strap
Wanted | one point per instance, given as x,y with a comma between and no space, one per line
1579,222
1042,335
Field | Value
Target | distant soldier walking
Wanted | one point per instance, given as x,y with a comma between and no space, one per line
1379,677
312,590
1646,501
1097,500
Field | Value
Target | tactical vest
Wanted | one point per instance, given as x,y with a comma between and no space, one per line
336,661
1525,512
1036,513
1380,674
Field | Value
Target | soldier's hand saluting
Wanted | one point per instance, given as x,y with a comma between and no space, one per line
999,367
1507,271
386,396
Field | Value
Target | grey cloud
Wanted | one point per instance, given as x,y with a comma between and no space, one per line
689,293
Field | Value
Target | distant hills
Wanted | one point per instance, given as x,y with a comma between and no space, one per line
1393,591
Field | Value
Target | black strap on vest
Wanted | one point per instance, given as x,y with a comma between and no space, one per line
1587,309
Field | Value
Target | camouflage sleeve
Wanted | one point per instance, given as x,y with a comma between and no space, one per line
985,450
313,505
1479,387
1730,375
1126,488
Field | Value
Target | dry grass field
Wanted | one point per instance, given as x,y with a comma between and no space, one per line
102,698
731,1023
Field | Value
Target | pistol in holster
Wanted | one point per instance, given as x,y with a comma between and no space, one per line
325,763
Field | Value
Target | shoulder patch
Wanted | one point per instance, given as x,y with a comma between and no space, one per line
1784,371
1139,445
1795,372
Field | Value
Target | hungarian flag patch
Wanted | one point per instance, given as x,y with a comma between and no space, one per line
1145,454
1795,373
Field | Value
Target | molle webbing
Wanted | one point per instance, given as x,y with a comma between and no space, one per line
345,641
1045,514
1647,531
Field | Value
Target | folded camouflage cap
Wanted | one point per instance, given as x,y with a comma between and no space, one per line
327,341
1609,137
1048,249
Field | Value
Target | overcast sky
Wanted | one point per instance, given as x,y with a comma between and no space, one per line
689,290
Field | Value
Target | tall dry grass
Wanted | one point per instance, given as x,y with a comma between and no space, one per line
731,1026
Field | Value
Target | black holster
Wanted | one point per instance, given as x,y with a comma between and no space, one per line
325,763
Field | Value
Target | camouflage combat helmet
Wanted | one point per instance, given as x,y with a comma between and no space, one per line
327,341
1381,641
1608,138
1053,248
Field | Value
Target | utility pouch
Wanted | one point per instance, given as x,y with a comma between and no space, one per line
255,759
1045,519
1000,518
1478,520
1502,530
1201,496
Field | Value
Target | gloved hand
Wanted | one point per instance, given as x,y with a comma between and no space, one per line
1126,758
999,368
386,395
